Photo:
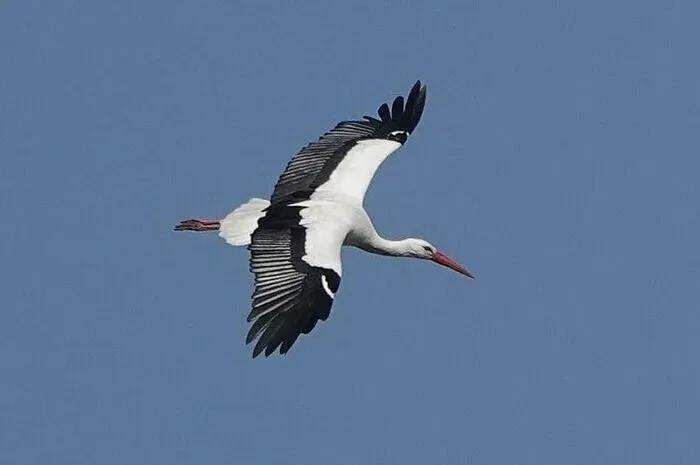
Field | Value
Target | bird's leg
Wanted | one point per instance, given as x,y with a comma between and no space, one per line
198,225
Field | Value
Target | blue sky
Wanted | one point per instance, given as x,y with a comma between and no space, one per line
557,158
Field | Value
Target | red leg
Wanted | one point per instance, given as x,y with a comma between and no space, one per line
198,225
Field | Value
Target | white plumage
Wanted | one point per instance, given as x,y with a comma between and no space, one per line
326,223
237,227
350,179
295,238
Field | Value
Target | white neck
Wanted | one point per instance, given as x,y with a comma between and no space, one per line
365,237
378,245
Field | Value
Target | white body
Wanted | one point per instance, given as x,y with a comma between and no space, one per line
333,216
298,271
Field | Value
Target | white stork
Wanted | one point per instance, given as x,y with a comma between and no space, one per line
316,208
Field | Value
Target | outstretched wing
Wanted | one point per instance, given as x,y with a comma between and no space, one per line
343,160
297,270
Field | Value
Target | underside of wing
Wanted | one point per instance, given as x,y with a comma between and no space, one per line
290,295
365,144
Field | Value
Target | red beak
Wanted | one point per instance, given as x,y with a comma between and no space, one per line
444,260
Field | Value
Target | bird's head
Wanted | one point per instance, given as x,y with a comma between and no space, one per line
419,248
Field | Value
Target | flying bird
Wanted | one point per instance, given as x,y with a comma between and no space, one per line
316,207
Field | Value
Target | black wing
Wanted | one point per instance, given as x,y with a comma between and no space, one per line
290,295
313,165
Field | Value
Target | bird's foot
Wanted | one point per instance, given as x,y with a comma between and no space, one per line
198,225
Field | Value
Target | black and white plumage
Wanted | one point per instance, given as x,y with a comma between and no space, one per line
353,150
295,238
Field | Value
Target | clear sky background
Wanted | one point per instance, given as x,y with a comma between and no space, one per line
558,157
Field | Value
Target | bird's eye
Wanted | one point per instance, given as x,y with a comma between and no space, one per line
427,248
